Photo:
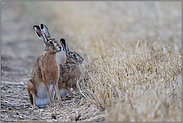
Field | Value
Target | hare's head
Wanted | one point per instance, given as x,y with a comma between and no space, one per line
51,43
71,57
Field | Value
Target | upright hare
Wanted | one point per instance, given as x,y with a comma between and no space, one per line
70,71
45,73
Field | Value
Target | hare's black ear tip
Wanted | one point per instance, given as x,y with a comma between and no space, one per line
35,26
42,25
62,39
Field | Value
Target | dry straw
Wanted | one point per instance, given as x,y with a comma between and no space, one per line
133,55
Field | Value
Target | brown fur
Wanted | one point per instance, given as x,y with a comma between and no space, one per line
45,69
70,72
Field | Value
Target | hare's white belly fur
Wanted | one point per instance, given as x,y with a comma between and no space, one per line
42,100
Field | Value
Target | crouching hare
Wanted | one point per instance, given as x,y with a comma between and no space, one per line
45,73
70,71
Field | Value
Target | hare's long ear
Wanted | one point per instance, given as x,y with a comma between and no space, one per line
64,45
45,31
39,33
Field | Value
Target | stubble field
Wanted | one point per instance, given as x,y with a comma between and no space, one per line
133,59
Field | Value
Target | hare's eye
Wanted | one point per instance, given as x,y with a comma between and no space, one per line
50,42
74,55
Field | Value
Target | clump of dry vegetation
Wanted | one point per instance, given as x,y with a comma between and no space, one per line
139,74
132,52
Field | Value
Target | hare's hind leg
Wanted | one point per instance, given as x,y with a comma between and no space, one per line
33,101
32,98
32,93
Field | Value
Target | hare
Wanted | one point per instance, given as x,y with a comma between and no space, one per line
45,73
70,71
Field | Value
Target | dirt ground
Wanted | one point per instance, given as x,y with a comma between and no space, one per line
20,47
18,55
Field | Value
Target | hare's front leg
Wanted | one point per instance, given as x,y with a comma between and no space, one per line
46,82
58,94
71,84
56,76
49,94
54,92
75,87
68,87
69,91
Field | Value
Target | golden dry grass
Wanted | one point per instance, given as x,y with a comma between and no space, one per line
134,57
132,51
